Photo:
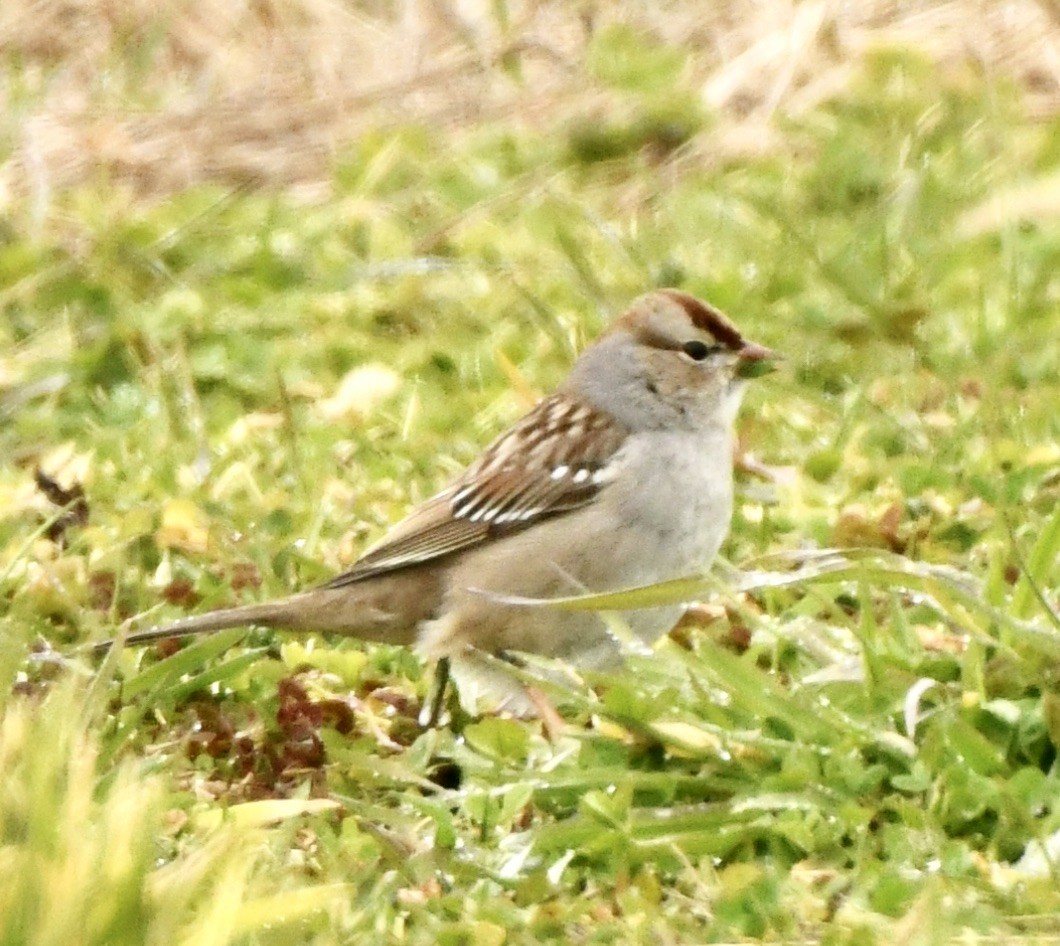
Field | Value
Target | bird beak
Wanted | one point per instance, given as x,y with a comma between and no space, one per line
754,360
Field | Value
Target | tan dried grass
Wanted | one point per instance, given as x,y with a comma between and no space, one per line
160,94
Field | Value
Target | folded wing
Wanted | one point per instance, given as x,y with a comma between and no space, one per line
557,458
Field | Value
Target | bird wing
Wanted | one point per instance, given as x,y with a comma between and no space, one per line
557,458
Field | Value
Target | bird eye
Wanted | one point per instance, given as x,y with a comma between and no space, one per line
697,350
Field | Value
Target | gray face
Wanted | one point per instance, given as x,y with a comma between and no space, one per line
674,359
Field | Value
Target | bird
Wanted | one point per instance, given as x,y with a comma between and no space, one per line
622,477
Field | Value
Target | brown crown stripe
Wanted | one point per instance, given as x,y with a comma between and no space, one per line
707,318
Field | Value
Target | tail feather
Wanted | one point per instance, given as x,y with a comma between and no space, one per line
266,614
387,609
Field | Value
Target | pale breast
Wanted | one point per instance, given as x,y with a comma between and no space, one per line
664,517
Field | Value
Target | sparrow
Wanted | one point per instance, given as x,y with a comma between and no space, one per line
621,478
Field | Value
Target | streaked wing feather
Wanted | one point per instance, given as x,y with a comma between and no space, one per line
552,461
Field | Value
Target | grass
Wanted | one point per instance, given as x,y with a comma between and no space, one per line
849,751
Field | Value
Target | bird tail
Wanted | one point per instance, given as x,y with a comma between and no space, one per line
282,613
387,609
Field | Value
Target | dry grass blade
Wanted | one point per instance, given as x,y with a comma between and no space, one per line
295,83
952,593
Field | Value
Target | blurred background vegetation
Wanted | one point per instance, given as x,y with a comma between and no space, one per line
271,272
